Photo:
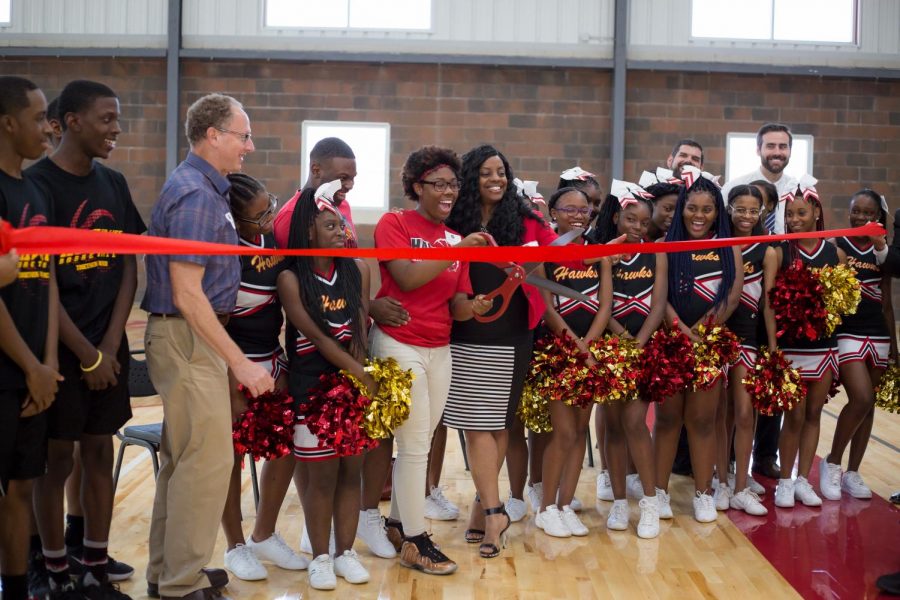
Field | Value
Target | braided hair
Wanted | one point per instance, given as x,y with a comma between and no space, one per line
794,245
876,198
606,228
244,189
681,264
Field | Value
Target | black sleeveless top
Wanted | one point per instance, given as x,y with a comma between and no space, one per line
707,267
256,321
578,314
823,255
745,319
633,290
868,319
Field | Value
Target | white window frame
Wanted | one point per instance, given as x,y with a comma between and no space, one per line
7,21
779,41
372,211
792,166
348,27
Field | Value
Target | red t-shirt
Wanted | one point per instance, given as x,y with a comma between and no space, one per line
537,233
428,305
282,224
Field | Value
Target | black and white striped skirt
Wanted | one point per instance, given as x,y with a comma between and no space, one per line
486,385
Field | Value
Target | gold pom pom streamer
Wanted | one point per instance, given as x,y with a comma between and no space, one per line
887,394
774,384
534,410
841,294
390,407
717,348
615,378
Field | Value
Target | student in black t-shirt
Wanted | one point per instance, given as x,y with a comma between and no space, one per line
96,295
28,329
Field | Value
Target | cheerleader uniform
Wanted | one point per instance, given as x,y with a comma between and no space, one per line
812,358
255,323
707,268
306,363
633,290
745,321
864,336
578,314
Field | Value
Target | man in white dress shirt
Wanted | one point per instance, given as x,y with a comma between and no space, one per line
773,146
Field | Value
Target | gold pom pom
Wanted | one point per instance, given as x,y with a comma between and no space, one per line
615,378
717,348
887,394
390,406
534,410
841,293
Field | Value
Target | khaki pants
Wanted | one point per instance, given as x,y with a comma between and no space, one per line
196,455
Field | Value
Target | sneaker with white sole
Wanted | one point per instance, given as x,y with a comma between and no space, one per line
370,530
575,504
604,486
852,483
321,573
784,493
306,546
830,480
804,492
438,507
276,551
665,504
535,496
648,526
755,486
633,486
516,508
572,522
722,497
347,565
551,522
704,508
618,516
748,502
243,564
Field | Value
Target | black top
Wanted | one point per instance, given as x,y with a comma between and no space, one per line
510,328
707,281
745,319
633,290
27,299
256,321
823,255
577,314
89,283
868,319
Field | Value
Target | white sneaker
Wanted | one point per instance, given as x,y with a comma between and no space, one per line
438,507
852,483
277,551
755,486
804,492
722,497
648,526
306,546
321,573
516,509
731,480
784,493
633,486
604,486
618,516
704,508
551,522
370,530
242,563
665,504
830,480
575,504
535,495
748,502
347,565
572,522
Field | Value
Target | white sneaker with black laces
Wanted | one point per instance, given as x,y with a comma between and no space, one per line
347,565
370,529
572,522
618,516
604,486
748,502
438,507
784,493
516,509
829,480
551,522
321,573
704,508
277,551
535,495
803,491
852,483
633,486
722,497
243,564
665,504
648,526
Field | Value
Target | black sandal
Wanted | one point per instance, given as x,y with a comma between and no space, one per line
487,550
474,536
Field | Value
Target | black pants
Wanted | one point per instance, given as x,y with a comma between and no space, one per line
765,442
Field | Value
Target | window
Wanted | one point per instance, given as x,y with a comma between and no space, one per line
830,21
349,14
741,157
5,17
371,143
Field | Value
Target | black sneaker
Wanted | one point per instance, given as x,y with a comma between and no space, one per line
115,570
69,591
100,591
38,579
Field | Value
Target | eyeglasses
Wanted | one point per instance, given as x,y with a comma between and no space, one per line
266,216
746,212
571,211
441,186
244,137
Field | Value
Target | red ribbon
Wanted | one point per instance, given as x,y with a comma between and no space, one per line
67,240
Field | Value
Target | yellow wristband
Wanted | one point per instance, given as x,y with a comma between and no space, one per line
95,365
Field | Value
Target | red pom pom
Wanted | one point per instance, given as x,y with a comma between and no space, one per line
667,365
335,413
797,298
266,429
774,384
559,372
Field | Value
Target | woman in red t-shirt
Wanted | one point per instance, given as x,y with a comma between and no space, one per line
435,293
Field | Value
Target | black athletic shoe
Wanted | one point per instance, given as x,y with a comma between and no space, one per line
38,580
115,570
69,591
100,591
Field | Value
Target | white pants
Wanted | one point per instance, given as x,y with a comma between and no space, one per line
431,371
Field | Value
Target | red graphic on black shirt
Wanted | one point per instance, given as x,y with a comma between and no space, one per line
93,216
34,221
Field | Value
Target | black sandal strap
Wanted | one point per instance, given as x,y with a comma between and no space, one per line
497,510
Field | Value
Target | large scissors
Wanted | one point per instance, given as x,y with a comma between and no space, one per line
517,274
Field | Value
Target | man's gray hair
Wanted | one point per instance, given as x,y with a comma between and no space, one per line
212,110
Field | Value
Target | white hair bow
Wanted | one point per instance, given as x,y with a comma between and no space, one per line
662,175
529,190
806,188
576,174
626,192
690,174
325,196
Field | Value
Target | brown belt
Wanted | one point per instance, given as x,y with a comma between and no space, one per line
223,319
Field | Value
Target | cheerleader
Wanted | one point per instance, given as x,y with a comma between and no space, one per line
584,322
588,183
663,188
639,303
745,205
866,344
255,326
702,285
816,361
325,300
